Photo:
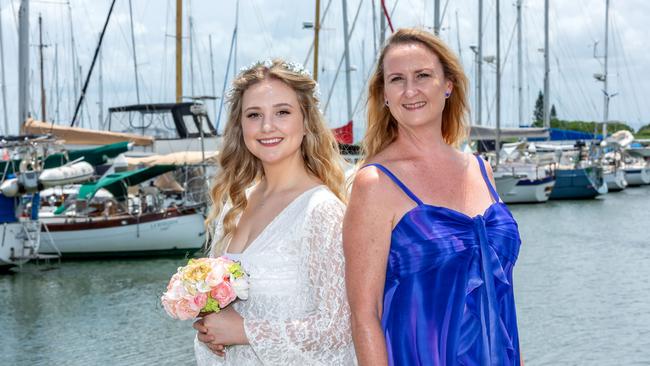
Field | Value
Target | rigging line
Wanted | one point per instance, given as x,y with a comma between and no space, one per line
338,69
266,36
390,23
197,53
512,37
619,45
560,101
163,69
363,92
444,12
322,20
225,78
392,10
15,17
591,30
367,78
90,70
567,53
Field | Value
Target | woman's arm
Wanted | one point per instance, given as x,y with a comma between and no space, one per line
366,242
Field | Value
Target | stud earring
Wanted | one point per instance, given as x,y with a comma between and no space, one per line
386,103
447,94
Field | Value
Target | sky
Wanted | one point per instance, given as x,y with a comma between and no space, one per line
274,28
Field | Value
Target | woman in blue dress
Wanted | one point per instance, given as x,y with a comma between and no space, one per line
429,246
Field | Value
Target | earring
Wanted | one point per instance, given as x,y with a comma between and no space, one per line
447,94
386,103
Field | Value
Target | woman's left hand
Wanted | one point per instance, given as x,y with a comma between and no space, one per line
223,328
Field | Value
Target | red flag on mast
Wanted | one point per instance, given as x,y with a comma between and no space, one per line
344,134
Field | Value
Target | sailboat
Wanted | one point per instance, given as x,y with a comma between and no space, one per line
612,160
578,175
20,236
122,224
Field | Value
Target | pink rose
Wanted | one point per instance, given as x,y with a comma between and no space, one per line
223,293
199,301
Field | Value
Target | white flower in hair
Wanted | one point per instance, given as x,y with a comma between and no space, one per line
296,67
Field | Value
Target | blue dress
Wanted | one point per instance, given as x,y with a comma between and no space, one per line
448,297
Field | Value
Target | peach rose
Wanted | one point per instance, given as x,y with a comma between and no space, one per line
185,310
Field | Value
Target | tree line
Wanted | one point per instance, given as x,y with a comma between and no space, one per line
582,126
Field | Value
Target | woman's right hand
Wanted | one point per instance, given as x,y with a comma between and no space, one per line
207,339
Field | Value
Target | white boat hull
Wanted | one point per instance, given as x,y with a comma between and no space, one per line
637,176
505,184
615,180
19,242
172,234
530,191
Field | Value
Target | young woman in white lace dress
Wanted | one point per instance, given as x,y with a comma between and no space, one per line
277,208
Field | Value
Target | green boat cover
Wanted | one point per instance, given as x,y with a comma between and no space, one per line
95,156
118,183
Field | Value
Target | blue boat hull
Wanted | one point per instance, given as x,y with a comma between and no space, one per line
580,183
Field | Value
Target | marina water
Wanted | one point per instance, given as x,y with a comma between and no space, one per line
582,290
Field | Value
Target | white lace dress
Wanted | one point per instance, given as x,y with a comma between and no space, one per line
297,311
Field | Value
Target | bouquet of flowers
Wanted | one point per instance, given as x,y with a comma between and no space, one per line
204,285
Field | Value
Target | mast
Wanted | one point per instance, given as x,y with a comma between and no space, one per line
191,57
57,116
498,106
374,28
479,66
342,59
23,62
436,17
234,55
100,87
460,50
316,34
225,77
81,115
605,76
40,51
179,50
214,90
73,55
520,72
382,28
547,116
348,91
2,80
135,58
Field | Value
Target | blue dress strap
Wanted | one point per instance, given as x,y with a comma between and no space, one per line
399,183
493,191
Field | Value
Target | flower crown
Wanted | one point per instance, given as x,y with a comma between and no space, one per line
295,67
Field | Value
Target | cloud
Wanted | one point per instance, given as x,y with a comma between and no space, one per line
273,28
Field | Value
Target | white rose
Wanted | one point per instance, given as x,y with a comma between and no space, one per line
240,285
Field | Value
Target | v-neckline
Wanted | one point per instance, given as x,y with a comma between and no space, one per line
270,224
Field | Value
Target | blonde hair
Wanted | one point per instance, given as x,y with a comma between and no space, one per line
382,127
240,169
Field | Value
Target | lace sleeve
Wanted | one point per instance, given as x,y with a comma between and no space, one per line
322,336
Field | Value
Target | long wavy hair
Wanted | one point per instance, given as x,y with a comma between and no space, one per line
382,127
240,169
